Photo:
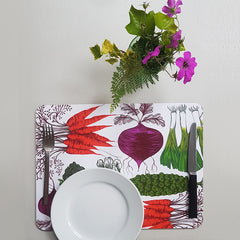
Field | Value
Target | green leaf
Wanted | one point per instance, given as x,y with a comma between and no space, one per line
107,47
60,181
115,53
111,60
141,23
165,39
164,22
181,47
96,51
116,50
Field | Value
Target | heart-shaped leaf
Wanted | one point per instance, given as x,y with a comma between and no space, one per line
141,23
164,22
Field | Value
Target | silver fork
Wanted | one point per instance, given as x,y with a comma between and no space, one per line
48,146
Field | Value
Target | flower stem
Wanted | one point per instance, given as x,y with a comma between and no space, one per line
178,24
168,73
165,69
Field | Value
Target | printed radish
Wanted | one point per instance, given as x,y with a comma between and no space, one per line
139,142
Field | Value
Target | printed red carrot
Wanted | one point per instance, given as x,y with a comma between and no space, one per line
70,150
75,136
90,139
148,222
149,214
91,129
80,116
159,202
162,225
94,119
99,137
154,213
159,208
87,140
78,144
72,136
80,123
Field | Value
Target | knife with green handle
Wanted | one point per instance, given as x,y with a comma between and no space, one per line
192,171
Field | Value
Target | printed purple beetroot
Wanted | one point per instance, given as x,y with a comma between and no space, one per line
140,142
46,209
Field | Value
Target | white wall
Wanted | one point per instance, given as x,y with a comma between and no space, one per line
45,58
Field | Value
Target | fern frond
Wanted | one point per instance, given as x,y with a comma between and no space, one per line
129,76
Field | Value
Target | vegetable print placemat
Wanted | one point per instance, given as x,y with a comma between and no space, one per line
147,143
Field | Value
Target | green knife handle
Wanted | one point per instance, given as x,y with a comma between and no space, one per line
192,188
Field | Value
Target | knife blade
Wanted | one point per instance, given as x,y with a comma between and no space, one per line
192,171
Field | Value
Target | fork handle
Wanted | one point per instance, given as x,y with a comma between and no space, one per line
46,179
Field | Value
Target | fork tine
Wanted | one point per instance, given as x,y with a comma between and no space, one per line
48,132
52,134
44,131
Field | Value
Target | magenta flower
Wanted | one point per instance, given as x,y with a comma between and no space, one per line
154,53
174,39
186,65
172,8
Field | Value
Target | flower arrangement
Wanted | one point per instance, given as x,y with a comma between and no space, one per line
157,40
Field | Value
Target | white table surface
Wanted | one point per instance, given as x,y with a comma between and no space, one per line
45,58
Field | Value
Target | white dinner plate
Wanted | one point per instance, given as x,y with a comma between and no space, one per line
97,204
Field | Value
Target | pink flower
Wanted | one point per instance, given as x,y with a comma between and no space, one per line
154,53
174,39
172,8
186,65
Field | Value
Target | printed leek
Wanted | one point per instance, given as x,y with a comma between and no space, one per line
200,135
183,148
170,154
199,161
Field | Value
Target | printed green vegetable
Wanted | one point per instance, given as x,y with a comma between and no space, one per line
160,184
183,151
174,156
199,161
170,154
70,170
200,135
183,148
